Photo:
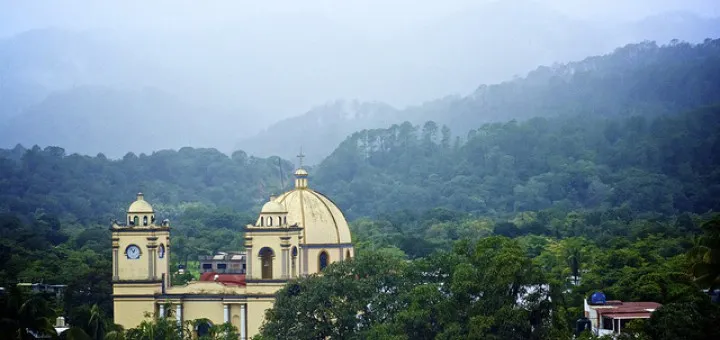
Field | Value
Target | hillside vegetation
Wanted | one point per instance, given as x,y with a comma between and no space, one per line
496,234
637,79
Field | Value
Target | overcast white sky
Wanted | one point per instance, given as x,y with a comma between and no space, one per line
370,16
286,56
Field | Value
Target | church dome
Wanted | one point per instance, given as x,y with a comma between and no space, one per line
140,205
321,220
273,207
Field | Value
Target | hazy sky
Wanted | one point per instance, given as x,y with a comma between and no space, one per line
240,66
283,57
370,16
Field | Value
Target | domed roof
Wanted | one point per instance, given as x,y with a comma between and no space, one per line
140,205
321,220
301,172
273,207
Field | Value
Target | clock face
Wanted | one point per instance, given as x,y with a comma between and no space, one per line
161,251
133,252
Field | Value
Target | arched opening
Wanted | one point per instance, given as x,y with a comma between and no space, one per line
136,220
145,220
323,260
285,220
293,262
202,328
266,262
347,254
270,221
262,221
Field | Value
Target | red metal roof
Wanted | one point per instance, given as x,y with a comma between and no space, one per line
226,279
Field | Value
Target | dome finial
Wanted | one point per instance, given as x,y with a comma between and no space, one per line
140,196
300,159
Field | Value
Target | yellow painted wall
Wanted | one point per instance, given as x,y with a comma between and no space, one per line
130,313
334,256
274,241
212,310
256,314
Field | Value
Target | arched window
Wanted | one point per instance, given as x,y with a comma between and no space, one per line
262,221
347,254
136,220
293,270
266,262
145,220
323,260
202,327
285,220
269,221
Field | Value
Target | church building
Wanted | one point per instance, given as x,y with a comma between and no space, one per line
297,234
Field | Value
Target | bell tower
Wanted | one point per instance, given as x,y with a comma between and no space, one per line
141,265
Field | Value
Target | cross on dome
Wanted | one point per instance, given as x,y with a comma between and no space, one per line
300,158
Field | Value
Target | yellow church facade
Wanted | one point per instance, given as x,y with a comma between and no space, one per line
296,234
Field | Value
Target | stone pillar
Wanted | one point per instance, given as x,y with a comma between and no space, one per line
305,261
284,262
116,258
178,314
249,258
162,310
226,312
151,264
243,322
116,275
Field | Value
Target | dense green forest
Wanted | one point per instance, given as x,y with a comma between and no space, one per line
443,224
665,164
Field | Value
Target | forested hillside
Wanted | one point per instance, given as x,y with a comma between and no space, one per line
96,189
615,187
664,164
637,79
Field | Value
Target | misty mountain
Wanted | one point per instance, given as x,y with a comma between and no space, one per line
318,130
637,79
266,69
95,119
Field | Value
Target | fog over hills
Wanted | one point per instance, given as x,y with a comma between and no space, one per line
240,76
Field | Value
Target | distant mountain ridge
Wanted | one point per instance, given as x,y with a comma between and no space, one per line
316,130
241,81
641,78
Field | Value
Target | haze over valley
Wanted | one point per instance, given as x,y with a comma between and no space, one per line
231,81
360,169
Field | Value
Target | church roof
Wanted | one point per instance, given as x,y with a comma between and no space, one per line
140,205
321,220
273,207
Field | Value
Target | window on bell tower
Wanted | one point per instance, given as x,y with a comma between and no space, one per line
266,262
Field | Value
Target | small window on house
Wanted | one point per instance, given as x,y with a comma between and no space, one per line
347,254
207,267
222,266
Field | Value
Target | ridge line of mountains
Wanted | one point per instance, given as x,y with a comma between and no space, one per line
91,86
